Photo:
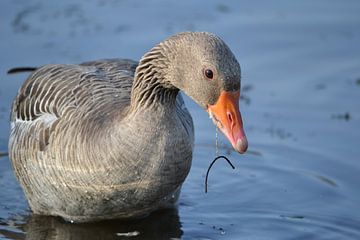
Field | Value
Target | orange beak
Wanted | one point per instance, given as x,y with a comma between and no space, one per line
226,116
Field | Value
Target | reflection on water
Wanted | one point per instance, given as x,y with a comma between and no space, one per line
162,224
19,24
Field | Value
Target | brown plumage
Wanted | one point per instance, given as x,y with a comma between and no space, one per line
112,138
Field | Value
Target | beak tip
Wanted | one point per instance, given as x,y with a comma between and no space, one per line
241,145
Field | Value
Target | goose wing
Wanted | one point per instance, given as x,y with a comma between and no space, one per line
89,92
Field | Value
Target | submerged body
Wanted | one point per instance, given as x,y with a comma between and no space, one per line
106,139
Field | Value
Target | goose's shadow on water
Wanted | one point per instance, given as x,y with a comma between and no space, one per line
163,224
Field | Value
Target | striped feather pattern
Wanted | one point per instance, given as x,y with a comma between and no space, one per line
72,140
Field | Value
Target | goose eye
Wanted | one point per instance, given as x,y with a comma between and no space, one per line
209,73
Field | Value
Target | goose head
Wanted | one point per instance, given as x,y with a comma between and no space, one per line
203,66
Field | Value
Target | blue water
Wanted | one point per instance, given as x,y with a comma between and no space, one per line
301,109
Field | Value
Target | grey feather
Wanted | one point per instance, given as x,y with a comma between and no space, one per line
60,116
113,138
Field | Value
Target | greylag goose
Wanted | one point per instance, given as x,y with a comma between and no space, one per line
112,138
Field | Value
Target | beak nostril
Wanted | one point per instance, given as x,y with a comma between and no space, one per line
230,118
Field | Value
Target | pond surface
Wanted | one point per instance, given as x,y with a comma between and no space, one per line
301,108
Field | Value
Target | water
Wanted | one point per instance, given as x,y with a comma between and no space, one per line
301,108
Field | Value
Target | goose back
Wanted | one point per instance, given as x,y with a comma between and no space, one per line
68,148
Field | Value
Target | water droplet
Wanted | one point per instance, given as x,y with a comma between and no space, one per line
217,142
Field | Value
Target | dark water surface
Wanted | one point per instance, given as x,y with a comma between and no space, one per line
301,86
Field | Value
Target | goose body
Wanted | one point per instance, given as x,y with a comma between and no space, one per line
112,138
